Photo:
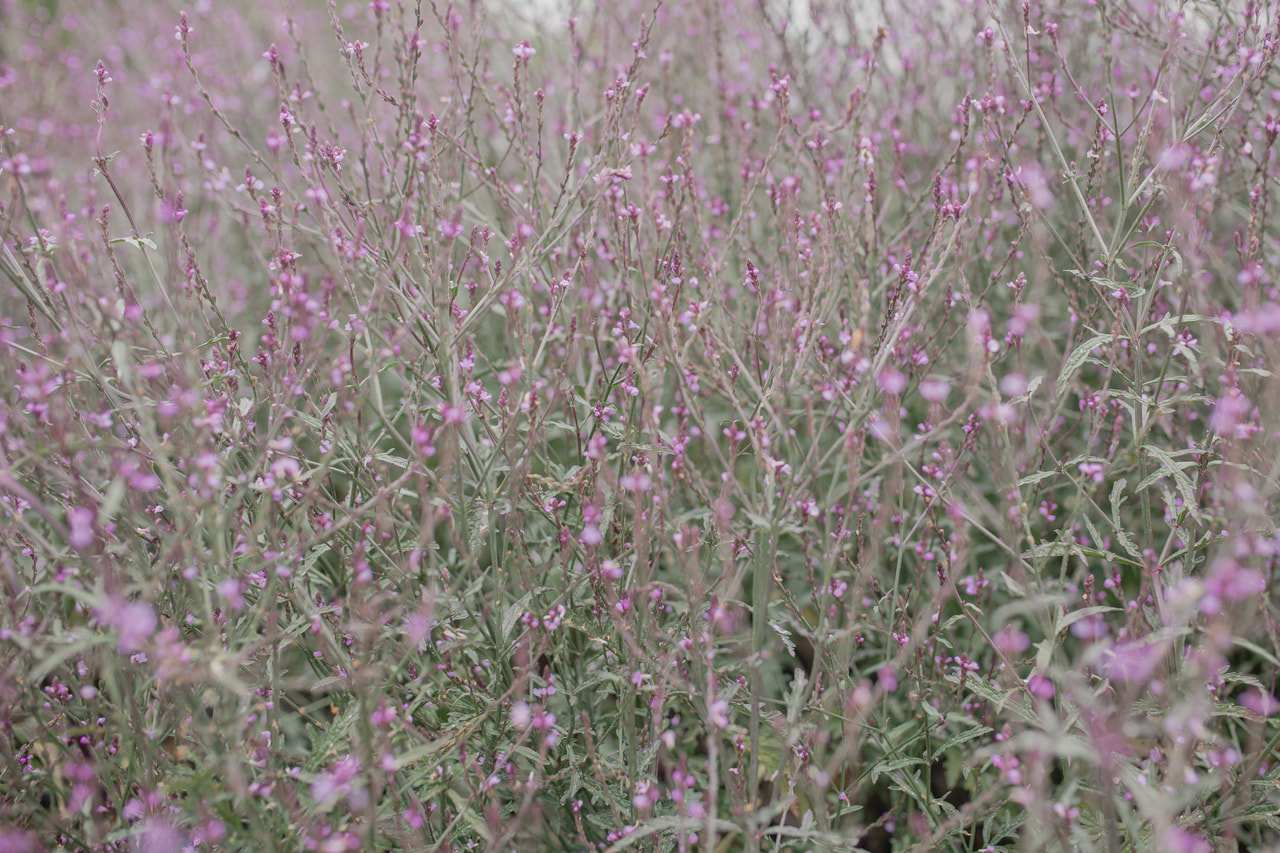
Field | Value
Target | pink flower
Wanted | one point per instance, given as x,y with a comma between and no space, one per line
136,622
1231,581
230,590
892,382
453,414
17,841
1093,470
1133,661
1178,840
935,390
1040,687
337,782
1011,641
1263,704
1013,384
591,535
80,520
645,796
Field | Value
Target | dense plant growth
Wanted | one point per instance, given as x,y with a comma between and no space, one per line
672,425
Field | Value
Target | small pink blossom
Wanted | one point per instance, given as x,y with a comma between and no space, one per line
1010,641
591,535
80,520
1263,704
935,390
1178,840
719,714
892,382
230,590
136,622
1040,687
1013,384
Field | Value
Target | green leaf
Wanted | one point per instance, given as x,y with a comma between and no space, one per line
1174,469
897,764
795,702
57,658
1122,536
1170,324
1032,479
328,744
1014,587
1065,549
513,614
1064,622
136,242
963,737
983,689
1257,650
1078,357
655,825
785,636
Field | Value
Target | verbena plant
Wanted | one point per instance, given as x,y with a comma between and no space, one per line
694,425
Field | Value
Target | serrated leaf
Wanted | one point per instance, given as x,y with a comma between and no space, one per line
1170,324
895,765
1092,530
963,737
1064,622
1173,468
136,242
796,700
1014,587
513,614
325,746
1044,654
1243,678
984,689
1065,549
1032,479
1118,499
785,636
1078,357
656,825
